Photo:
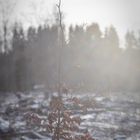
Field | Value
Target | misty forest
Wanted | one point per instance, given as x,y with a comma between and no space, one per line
60,82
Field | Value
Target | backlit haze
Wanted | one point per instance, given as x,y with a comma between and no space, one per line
123,14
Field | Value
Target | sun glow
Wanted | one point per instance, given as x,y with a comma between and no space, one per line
104,12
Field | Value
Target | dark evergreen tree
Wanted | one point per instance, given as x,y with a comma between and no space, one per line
130,40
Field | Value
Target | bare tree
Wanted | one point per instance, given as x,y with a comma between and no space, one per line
61,41
38,12
6,9
59,67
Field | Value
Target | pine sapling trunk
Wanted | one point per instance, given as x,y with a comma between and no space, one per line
58,125
59,68
60,48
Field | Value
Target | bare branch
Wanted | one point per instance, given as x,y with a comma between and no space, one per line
60,15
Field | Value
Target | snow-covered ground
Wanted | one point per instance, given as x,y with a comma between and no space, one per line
106,117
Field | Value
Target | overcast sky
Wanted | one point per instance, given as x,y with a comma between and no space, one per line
123,14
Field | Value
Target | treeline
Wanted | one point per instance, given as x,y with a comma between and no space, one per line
90,59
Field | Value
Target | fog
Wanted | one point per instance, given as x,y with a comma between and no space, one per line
92,58
65,73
